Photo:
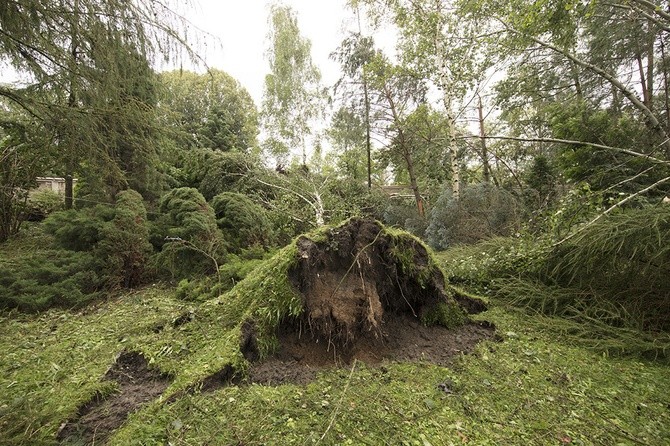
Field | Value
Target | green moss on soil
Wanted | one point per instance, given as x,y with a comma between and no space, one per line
444,314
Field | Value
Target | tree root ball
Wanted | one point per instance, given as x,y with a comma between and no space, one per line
353,275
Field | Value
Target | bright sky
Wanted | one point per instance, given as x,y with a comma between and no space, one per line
242,27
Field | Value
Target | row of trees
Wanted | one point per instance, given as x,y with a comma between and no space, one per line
571,101
526,95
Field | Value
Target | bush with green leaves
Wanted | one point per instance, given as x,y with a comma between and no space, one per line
612,271
124,246
90,252
60,278
236,268
483,211
403,213
242,222
186,234
44,202
79,230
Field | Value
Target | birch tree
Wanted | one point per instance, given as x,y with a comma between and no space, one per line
292,96
439,45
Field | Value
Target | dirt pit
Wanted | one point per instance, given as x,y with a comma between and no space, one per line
136,385
370,295
301,357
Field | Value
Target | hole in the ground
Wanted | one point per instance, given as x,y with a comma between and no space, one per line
136,383
301,356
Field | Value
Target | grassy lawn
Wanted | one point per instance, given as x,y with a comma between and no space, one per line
529,388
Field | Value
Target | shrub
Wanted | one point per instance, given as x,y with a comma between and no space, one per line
58,278
482,211
403,214
43,203
125,247
242,222
79,230
187,235
95,250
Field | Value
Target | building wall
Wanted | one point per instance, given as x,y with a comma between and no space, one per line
52,183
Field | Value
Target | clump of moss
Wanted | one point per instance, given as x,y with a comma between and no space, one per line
447,315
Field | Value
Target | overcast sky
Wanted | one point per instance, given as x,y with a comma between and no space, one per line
242,28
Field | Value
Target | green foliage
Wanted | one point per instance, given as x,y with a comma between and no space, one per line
541,177
36,273
90,252
44,202
22,157
210,110
623,259
243,222
187,235
236,268
347,135
213,172
535,386
576,207
482,211
345,199
448,315
125,248
610,274
602,168
89,82
64,279
403,214
292,96
478,265
79,230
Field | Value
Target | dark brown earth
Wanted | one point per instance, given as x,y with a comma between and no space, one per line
359,274
137,385
301,356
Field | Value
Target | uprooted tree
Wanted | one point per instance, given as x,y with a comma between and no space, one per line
340,285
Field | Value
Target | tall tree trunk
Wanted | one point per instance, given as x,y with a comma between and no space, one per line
366,95
414,185
402,141
575,78
643,81
650,71
444,84
454,166
69,190
665,85
71,103
368,148
482,133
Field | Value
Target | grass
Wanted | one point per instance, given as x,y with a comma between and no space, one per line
541,385
531,389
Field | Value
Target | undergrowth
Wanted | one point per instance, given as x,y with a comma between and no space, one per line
611,276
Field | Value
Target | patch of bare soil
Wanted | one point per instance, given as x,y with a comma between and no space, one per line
96,420
403,339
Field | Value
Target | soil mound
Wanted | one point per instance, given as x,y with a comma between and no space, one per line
97,419
369,294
